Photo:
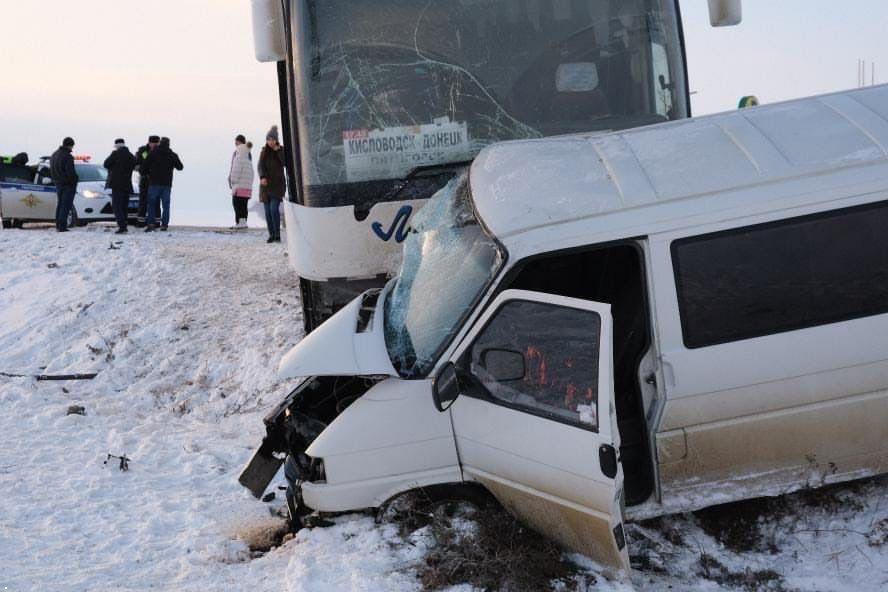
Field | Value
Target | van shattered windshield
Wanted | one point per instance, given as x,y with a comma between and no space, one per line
448,261
388,86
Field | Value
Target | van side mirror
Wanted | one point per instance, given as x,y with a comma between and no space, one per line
503,365
725,13
445,388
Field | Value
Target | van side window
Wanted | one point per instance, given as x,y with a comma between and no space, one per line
541,358
782,276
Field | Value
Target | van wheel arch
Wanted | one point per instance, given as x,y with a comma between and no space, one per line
431,495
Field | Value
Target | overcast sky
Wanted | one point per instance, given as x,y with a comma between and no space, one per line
98,69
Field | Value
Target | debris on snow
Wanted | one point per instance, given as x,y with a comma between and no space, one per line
123,465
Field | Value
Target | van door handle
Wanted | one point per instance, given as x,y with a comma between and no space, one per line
607,457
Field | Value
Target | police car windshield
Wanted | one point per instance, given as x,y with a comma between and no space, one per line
392,85
91,172
449,260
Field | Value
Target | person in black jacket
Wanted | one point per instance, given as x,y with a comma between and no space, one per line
141,157
64,175
120,165
160,165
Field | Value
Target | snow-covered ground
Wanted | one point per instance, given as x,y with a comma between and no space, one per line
185,330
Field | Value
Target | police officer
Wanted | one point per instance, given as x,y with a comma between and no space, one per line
144,182
120,165
64,175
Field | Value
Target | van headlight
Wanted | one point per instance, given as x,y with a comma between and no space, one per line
90,194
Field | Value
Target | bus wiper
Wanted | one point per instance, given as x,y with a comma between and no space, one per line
425,172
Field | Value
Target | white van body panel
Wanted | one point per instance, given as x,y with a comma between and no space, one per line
373,244
337,348
389,441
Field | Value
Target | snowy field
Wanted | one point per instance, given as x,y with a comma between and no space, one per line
185,331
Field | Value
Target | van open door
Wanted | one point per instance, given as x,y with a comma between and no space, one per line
535,422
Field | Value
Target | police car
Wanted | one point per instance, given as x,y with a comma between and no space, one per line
27,193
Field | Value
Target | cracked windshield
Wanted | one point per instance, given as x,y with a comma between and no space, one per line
390,87
448,262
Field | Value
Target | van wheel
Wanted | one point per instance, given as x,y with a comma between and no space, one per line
7,223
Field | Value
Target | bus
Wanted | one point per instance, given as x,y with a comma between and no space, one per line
385,102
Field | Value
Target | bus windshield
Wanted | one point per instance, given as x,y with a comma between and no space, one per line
391,86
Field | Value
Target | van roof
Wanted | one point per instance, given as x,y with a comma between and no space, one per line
524,185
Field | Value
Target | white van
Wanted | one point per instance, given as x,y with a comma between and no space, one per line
617,326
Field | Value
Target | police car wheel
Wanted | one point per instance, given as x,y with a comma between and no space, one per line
74,220
7,223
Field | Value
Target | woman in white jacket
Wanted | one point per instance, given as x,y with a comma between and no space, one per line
240,179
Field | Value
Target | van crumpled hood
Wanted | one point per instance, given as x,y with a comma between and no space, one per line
346,344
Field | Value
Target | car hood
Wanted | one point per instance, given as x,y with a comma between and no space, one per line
350,343
98,186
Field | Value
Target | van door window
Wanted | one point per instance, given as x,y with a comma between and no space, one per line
543,359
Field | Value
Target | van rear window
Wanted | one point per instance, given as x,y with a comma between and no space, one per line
782,276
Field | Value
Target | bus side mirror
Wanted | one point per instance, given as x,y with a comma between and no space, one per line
725,13
445,388
269,34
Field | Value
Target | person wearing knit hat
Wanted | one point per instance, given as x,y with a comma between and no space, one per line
120,164
272,183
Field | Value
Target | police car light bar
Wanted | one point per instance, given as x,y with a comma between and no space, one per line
83,157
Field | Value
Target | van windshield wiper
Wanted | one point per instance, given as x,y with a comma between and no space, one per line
433,170
425,172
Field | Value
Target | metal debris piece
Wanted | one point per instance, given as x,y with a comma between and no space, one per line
124,461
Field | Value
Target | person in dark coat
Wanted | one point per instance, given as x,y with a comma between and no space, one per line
120,165
272,183
160,164
141,157
64,175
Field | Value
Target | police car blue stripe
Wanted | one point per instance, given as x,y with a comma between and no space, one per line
27,187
